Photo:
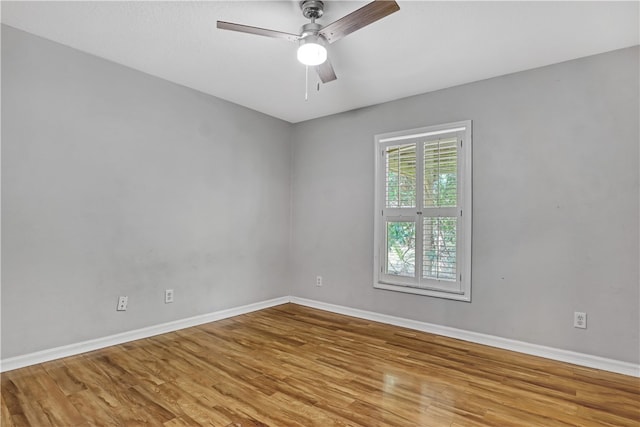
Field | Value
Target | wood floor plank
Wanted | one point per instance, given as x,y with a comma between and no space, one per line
6,419
295,366
64,378
95,410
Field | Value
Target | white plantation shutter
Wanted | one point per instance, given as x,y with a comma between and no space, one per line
440,248
400,177
422,235
400,202
440,172
440,192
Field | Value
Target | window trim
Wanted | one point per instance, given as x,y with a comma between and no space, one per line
381,280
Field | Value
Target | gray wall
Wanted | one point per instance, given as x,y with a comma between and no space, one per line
118,183
555,187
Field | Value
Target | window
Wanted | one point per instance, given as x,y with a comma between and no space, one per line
423,211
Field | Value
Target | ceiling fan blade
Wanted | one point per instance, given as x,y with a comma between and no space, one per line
258,31
325,72
362,17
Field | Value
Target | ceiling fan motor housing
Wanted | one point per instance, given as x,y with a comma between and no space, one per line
310,29
312,9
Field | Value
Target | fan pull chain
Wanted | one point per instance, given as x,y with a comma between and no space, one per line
306,82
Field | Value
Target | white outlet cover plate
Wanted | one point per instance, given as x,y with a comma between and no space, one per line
122,303
580,320
168,296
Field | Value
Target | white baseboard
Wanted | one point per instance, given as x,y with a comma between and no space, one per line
98,343
575,358
580,359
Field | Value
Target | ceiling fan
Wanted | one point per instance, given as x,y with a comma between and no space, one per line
313,37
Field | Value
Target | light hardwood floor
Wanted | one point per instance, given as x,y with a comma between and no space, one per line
295,366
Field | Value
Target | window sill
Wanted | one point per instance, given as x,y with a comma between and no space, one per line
463,296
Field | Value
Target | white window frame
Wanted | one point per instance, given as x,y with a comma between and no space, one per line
460,289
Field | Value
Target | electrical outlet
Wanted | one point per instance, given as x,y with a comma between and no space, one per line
122,303
318,280
168,296
580,320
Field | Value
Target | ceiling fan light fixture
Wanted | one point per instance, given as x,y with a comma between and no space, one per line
311,51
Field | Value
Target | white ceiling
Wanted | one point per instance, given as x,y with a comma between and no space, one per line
425,46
